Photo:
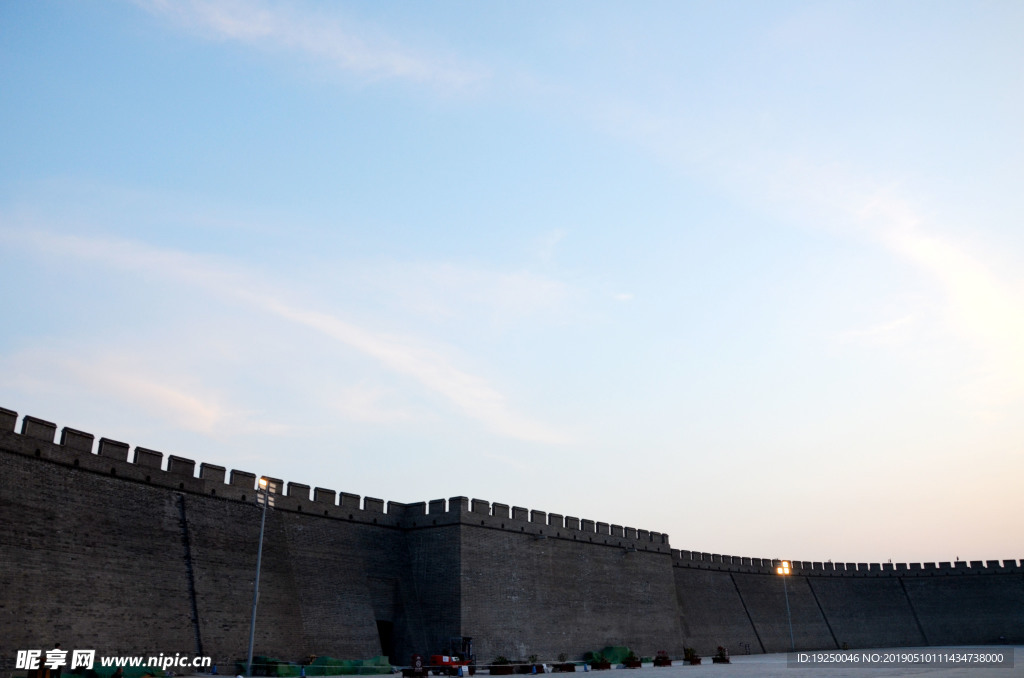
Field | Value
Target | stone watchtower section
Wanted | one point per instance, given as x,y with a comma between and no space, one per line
130,550
164,548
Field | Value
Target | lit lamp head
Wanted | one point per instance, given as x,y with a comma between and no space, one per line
784,569
263,483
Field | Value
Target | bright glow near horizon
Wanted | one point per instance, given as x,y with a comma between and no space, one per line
653,264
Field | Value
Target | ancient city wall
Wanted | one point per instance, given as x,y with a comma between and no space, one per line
528,594
854,605
129,550
128,557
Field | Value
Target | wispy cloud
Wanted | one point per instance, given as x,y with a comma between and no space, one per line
472,395
978,304
442,290
887,333
372,404
164,394
982,305
319,36
547,245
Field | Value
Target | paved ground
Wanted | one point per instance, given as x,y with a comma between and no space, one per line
776,666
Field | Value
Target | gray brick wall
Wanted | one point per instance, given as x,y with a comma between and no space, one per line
94,553
524,595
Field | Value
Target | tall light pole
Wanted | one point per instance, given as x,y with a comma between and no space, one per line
262,496
783,571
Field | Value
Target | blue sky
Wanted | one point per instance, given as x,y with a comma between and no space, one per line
745,273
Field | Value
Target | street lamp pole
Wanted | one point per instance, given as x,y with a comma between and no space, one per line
261,494
783,571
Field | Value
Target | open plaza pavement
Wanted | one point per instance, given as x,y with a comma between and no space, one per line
777,666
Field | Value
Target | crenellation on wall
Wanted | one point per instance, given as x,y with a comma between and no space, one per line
40,429
415,510
212,473
112,459
339,574
148,458
519,519
324,495
298,490
243,479
395,509
282,502
113,449
8,419
714,561
118,459
76,440
180,466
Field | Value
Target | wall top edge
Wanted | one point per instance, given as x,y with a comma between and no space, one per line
715,561
172,470
168,471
